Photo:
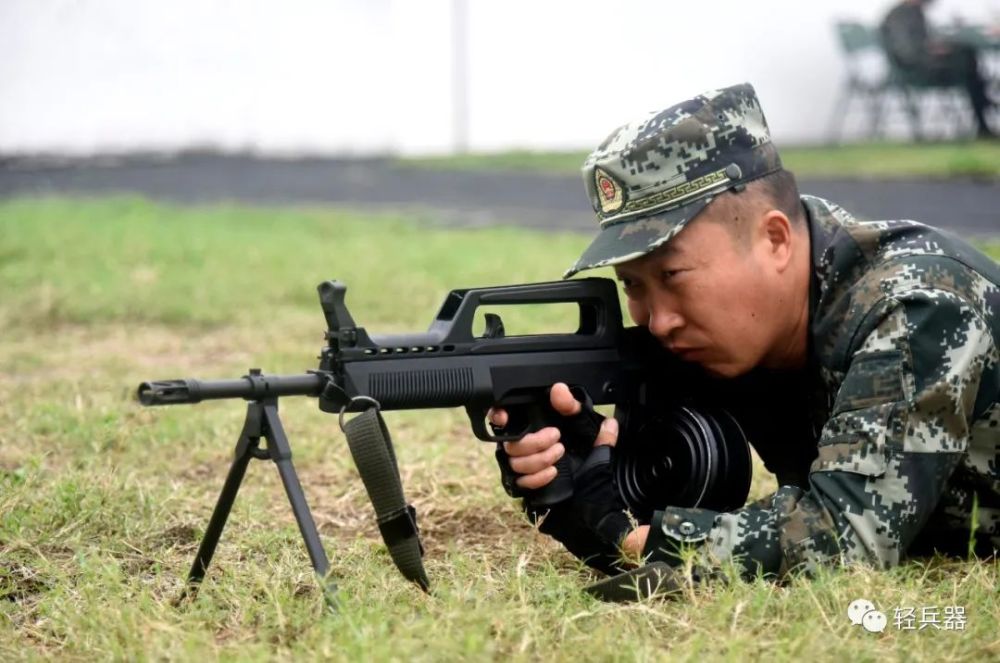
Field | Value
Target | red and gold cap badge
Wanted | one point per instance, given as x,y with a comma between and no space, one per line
609,192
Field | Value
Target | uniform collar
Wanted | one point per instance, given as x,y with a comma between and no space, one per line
830,263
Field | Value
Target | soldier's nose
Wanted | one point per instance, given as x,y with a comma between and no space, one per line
663,322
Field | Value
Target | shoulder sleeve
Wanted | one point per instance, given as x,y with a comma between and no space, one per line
899,427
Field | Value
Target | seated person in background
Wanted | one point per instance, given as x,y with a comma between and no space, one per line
911,48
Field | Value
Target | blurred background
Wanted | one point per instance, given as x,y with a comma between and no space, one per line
473,112
363,77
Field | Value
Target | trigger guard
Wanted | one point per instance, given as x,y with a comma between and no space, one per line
477,419
580,394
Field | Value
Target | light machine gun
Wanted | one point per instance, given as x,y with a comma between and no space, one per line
670,451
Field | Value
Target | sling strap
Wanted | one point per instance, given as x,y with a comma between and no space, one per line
371,448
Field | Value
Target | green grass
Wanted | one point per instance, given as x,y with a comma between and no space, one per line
102,502
872,160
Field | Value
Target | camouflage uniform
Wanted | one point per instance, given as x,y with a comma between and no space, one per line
903,436
904,322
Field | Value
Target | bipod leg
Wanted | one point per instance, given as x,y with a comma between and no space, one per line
245,447
280,452
262,422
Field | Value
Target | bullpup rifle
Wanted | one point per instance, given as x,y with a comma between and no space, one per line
671,450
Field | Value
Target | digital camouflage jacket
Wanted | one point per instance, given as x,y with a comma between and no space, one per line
903,398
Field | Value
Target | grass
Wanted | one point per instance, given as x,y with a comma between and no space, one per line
869,160
103,502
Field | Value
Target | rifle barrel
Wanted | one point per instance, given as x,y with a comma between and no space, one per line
250,387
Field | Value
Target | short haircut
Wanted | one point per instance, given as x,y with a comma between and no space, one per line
775,191
782,191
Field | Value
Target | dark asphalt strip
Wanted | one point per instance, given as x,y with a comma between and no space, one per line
467,198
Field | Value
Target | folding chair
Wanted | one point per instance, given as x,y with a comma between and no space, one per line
921,93
877,82
859,43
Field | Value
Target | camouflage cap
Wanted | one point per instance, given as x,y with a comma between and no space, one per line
650,177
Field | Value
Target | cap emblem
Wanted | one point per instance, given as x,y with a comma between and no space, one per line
609,192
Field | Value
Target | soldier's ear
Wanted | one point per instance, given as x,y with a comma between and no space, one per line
776,236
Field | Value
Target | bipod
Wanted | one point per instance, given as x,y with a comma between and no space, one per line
262,422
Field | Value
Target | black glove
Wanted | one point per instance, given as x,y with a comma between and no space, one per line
592,522
596,498
576,433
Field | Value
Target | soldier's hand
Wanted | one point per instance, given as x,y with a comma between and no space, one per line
534,456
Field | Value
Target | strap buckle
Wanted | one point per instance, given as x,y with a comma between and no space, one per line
400,525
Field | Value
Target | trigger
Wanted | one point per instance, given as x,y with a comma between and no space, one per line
478,421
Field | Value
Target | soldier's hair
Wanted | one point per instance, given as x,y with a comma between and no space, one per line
776,191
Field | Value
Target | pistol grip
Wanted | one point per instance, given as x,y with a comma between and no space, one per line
578,433
559,489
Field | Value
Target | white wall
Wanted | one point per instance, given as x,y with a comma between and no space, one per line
326,76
